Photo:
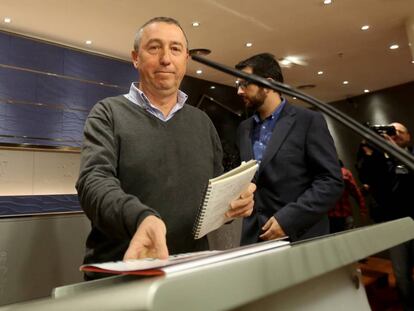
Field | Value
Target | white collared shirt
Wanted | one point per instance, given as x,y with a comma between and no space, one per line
138,97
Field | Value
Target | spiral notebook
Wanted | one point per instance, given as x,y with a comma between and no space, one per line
219,193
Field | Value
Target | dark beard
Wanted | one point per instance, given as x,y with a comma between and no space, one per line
257,101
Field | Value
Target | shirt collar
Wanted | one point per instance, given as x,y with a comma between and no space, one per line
139,98
274,114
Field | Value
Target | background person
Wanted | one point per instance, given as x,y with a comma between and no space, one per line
299,178
341,217
391,184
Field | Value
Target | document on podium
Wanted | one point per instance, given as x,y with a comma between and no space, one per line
145,266
182,262
218,196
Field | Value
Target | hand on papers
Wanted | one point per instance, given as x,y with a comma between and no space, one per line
242,206
272,230
149,240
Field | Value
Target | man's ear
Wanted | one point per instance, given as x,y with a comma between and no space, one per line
272,80
135,58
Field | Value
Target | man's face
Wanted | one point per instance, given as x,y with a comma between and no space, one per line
252,95
402,138
161,58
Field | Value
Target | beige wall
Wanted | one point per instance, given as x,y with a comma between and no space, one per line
38,172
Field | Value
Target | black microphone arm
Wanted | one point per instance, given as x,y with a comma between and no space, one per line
398,153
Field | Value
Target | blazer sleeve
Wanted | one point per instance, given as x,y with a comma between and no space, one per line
326,184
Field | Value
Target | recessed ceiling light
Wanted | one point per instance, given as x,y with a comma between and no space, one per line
327,1
365,27
249,44
366,91
412,62
212,87
320,72
285,62
199,72
7,20
88,42
294,97
394,46
345,82
196,24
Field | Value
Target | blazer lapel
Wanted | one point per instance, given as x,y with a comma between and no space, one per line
246,148
281,130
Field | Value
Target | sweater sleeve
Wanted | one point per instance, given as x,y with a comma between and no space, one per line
110,209
218,153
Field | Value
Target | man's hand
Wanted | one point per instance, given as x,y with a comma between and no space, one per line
242,206
390,139
149,240
272,230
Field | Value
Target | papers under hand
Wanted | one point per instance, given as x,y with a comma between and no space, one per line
146,266
183,262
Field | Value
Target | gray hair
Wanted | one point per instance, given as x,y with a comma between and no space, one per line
160,19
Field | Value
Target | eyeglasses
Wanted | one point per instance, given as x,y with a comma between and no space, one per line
243,84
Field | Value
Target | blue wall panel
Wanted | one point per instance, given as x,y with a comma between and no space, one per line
3,116
72,94
5,48
35,204
100,69
50,110
35,55
33,121
17,85
73,122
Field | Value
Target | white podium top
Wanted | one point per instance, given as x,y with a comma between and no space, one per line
229,283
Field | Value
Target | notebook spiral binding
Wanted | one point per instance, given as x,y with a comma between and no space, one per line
201,212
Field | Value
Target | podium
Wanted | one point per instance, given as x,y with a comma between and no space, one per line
316,274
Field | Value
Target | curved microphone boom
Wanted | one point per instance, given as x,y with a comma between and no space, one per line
334,113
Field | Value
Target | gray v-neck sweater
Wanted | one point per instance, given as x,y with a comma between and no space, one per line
134,165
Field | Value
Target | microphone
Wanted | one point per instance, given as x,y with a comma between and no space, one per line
334,113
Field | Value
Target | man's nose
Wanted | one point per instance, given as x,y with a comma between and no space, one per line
165,57
240,90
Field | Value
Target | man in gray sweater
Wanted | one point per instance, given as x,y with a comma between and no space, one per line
147,156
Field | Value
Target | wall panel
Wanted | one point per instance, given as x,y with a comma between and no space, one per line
47,90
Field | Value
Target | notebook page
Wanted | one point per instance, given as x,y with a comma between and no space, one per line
222,192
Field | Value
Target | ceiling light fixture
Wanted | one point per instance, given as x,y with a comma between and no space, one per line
394,47
320,72
212,87
345,82
285,62
88,42
290,60
7,20
196,24
199,72
365,27
412,62
366,91
249,44
327,1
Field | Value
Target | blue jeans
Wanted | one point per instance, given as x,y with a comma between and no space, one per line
402,258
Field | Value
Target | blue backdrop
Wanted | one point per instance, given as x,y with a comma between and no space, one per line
47,91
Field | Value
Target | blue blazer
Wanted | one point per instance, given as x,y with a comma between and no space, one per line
299,178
